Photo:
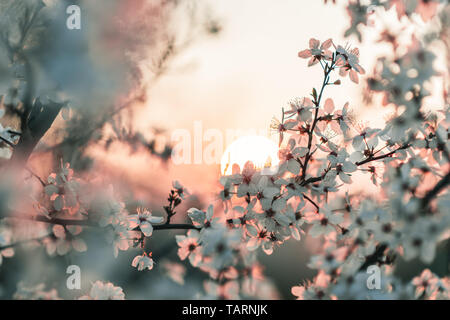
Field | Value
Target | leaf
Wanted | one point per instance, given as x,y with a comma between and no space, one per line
58,203
314,94
51,189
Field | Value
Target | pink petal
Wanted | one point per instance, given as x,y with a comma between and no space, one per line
312,62
354,76
326,44
314,43
329,106
304,54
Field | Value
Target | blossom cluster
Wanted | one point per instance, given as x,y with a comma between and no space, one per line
322,149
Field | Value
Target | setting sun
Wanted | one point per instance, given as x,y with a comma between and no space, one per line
261,151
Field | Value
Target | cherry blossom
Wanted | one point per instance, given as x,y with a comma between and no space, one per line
104,291
316,51
35,292
189,247
348,62
144,220
325,222
143,262
202,219
62,189
64,240
426,284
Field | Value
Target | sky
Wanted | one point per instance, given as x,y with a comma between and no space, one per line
244,76
240,79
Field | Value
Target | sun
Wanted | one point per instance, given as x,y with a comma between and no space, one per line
261,151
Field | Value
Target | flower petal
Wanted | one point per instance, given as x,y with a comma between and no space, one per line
147,228
304,54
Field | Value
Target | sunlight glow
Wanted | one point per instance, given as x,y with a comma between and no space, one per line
261,151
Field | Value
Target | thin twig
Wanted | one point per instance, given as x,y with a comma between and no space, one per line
382,156
435,191
36,176
370,159
312,201
9,143
327,70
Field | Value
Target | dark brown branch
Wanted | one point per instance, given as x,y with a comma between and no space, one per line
383,156
312,201
312,180
36,176
87,223
84,223
327,70
375,257
9,143
435,191
317,179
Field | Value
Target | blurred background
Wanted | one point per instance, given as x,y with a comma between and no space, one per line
226,64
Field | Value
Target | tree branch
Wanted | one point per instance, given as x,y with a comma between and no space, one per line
36,176
375,257
434,192
9,143
36,125
326,71
312,201
87,223
370,159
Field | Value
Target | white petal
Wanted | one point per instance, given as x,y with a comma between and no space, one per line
146,228
282,219
133,221
51,189
295,233
357,142
154,219
345,178
349,166
79,245
293,166
252,244
58,203
279,204
136,261
251,230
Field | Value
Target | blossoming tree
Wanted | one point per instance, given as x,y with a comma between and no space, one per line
322,148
